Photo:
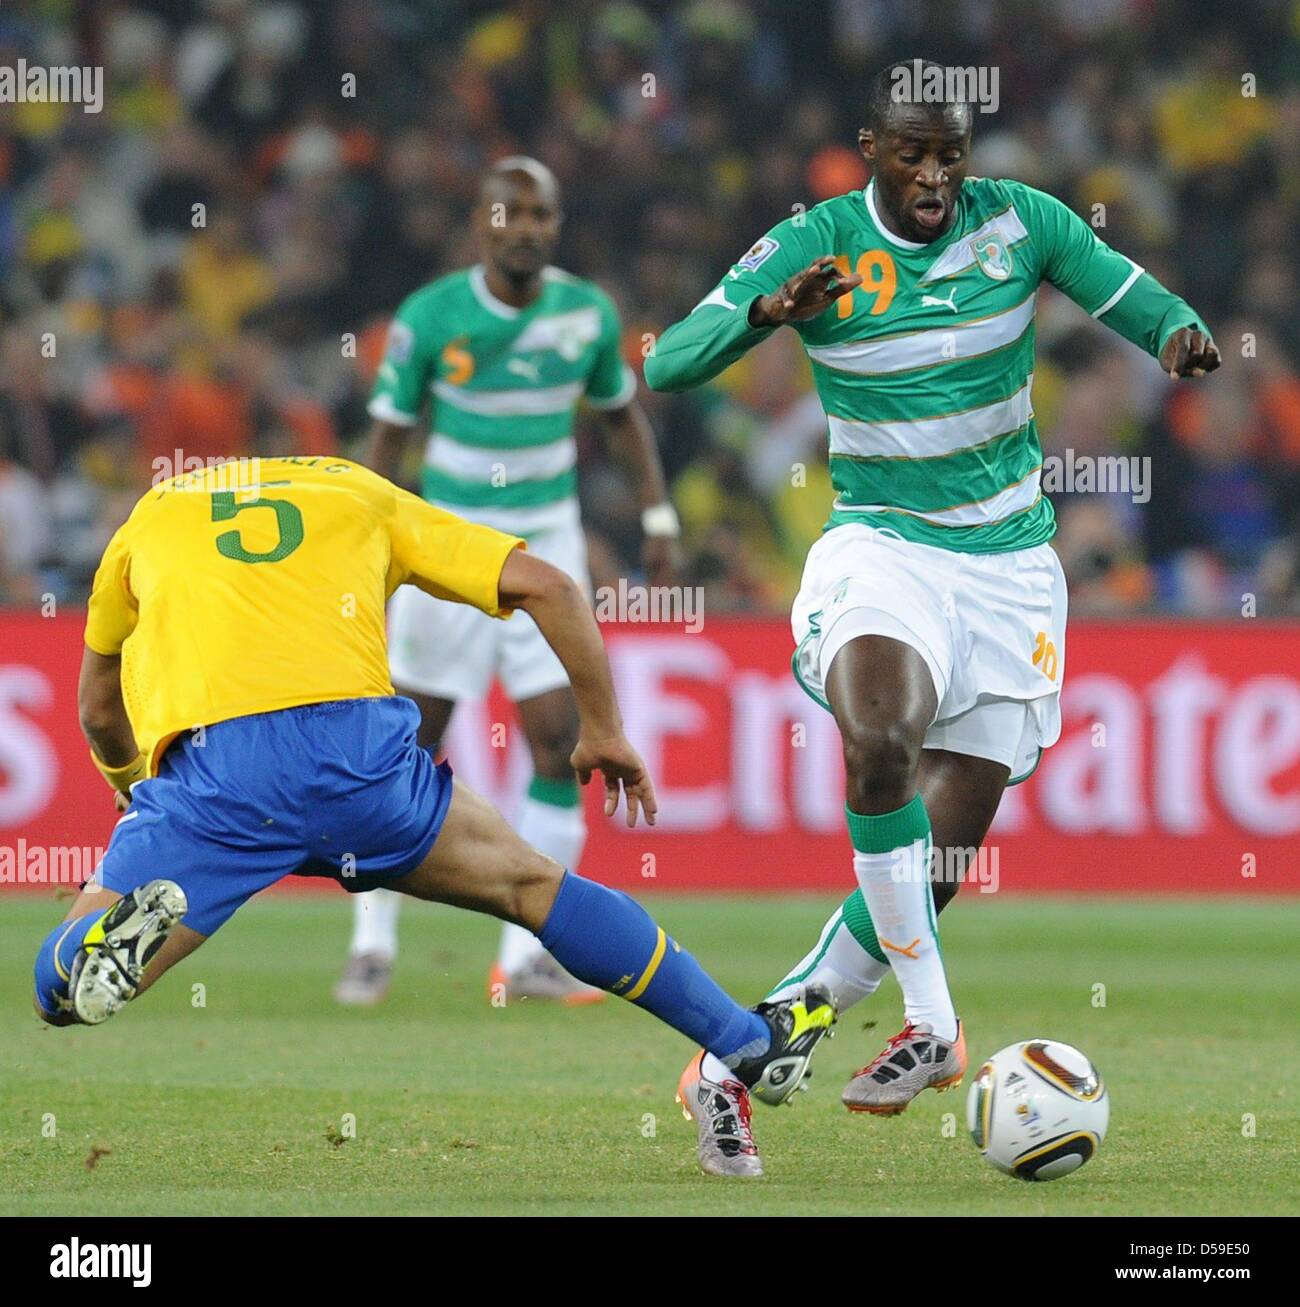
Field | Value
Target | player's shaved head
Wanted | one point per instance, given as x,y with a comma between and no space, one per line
520,170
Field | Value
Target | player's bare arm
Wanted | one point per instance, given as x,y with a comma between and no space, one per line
385,446
632,441
803,296
102,713
564,617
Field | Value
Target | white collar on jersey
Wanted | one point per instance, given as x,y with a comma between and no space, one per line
478,284
870,196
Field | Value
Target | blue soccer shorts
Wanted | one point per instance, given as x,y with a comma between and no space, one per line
338,789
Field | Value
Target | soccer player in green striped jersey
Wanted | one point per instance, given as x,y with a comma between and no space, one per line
931,618
501,355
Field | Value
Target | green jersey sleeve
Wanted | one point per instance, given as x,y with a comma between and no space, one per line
610,383
1100,280
402,382
716,332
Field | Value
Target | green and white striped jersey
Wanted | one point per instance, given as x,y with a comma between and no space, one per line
925,369
505,384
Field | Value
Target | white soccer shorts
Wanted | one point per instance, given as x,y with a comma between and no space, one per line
452,651
991,628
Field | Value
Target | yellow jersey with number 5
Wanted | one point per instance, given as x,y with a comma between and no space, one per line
260,584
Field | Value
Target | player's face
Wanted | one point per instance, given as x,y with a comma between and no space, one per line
919,163
518,227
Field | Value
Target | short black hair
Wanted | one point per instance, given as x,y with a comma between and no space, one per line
884,97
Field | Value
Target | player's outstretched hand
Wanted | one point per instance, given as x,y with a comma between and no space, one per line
1189,353
804,295
620,764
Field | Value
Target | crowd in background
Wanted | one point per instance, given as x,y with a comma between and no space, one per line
207,265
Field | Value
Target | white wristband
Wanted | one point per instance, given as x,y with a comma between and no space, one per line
661,520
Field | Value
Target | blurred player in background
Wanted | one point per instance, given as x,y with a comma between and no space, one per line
507,349
244,752
931,620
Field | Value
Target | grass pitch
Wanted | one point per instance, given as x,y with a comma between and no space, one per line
239,1106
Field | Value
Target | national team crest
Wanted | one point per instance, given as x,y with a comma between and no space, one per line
993,256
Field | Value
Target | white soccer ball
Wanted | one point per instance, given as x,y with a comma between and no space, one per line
1038,1109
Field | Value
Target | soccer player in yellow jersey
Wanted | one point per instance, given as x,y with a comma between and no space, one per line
235,693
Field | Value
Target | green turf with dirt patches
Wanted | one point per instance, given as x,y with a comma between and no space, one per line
244,1104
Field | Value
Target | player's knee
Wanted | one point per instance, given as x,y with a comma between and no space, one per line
880,758
551,747
533,885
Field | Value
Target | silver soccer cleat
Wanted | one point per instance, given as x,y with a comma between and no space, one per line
721,1113
365,980
915,1059
540,977
106,971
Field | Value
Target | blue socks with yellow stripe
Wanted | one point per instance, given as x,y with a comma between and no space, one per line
609,940
54,959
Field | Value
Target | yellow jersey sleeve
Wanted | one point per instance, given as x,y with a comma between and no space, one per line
112,612
447,557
